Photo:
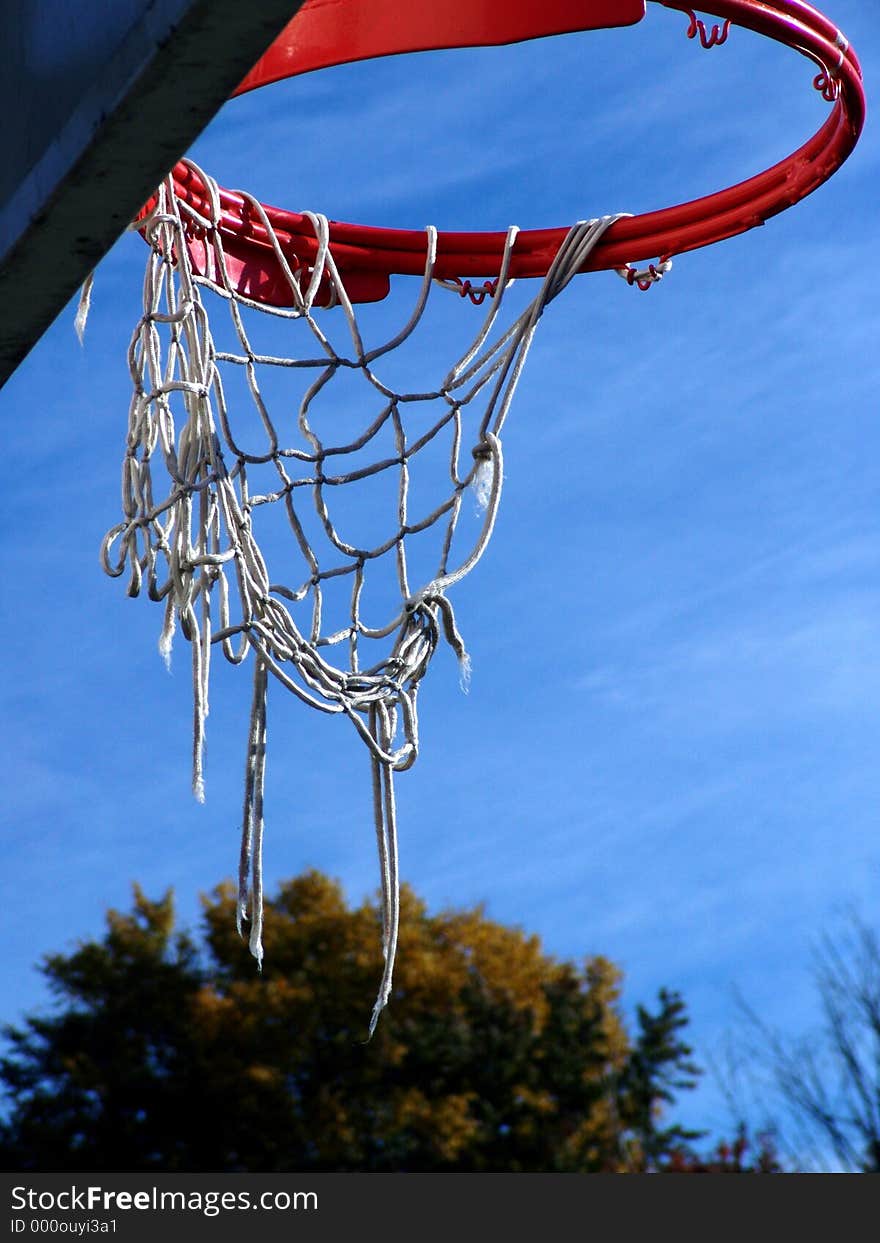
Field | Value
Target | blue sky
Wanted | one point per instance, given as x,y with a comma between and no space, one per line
669,752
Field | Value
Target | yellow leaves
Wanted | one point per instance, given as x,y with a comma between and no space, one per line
509,961
537,1101
148,928
311,894
603,980
264,1076
211,1012
445,1127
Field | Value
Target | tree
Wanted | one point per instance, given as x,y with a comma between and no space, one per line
80,1080
741,1156
658,1067
162,1053
828,1083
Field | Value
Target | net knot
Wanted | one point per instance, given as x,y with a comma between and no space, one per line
483,452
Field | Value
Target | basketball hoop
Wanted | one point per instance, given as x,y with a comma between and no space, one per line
196,486
320,36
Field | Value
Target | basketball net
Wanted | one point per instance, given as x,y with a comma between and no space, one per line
221,458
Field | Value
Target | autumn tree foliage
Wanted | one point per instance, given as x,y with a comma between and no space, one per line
167,1052
743,1155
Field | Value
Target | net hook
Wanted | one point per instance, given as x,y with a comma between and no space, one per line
466,289
713,38
644,278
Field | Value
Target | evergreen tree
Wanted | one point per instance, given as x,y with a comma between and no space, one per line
658,1067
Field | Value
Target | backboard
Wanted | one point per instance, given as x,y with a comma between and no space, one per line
99,98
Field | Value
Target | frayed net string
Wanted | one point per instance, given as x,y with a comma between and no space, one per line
196,486
250,866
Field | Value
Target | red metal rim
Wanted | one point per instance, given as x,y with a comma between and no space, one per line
367,256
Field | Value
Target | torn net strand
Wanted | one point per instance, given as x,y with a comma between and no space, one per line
189,535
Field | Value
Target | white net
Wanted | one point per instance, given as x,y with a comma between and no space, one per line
353,490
